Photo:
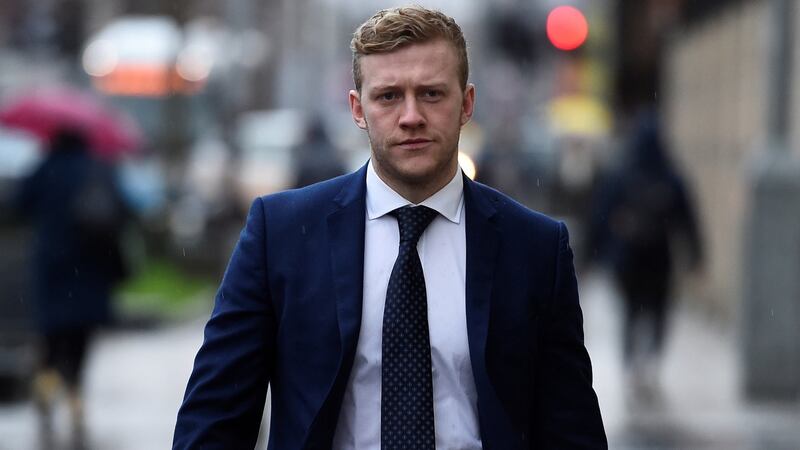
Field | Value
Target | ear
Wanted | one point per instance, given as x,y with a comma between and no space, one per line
357,110
468,104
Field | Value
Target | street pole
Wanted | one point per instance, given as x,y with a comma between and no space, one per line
781,65
771,280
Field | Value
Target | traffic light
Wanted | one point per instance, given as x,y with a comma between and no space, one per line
567,28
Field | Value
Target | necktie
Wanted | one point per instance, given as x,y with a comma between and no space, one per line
406,381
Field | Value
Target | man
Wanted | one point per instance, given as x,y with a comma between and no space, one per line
454,323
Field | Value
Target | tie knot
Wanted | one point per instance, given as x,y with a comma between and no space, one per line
412,221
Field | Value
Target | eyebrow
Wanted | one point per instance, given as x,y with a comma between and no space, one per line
438,86
384,87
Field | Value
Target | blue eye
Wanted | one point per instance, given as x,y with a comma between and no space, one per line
388,96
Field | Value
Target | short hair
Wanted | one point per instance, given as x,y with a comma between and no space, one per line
394,28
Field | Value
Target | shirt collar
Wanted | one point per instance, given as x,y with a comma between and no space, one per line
381,199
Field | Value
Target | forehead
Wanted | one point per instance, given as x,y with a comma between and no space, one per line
431,62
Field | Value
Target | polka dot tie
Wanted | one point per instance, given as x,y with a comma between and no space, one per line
406,381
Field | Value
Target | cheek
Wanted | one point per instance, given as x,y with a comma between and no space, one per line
451,115
377,120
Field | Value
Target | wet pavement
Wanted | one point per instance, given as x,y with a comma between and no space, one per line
134,385
135,382
700,406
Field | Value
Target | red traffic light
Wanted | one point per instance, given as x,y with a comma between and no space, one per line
567,28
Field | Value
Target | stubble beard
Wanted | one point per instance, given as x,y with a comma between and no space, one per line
422,181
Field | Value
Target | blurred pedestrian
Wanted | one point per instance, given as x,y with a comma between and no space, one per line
317,158
642,215
78,214
383,307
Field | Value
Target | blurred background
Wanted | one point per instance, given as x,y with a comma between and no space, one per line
661,131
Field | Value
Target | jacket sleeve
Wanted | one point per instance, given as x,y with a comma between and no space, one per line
566,414
225,396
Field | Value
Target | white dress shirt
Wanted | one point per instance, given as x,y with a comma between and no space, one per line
442,251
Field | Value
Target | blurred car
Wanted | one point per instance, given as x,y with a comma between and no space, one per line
19,155
265,140
135,55
204,218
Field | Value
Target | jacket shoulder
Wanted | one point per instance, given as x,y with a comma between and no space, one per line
310,196
309,204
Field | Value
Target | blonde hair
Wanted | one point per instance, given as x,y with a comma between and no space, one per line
394,28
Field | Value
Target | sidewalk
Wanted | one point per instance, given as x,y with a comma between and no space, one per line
701,406
134,385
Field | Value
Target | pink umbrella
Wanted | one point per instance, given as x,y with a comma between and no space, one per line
44,112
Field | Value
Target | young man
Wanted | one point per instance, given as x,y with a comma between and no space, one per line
402,306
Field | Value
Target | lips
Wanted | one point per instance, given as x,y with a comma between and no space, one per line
414,143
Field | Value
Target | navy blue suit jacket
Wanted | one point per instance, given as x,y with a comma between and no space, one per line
288,314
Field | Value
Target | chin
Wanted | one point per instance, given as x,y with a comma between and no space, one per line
420,174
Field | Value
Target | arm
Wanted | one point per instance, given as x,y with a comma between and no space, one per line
687,225
224,399
566,413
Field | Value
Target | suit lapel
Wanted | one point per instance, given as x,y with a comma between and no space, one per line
346,258
481,237
346,240
482,260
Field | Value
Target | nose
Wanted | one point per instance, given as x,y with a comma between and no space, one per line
411,117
